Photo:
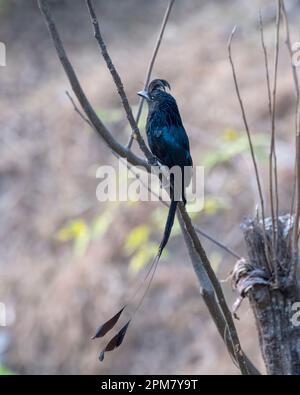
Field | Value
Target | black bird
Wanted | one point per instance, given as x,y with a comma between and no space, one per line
169,142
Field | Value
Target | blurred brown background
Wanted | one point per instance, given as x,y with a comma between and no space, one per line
64,264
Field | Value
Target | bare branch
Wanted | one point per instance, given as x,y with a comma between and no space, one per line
80,113
272,154
216,242
152,61
297,132
266,64
296,85
119,85
247,129
267,72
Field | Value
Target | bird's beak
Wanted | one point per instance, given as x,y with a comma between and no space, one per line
144,94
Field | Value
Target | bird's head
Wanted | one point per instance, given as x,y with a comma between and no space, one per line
156,91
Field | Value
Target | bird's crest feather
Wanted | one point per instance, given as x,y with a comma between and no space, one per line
158,84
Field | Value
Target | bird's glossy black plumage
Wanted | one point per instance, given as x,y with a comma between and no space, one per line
168,141
166,135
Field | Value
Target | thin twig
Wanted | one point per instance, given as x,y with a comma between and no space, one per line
297,127
296,186
151,64
80,113
266,64
296,85
119,85
271,260
247,130
216,242
272,154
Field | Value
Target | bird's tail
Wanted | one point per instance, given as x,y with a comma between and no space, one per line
117,340
168,227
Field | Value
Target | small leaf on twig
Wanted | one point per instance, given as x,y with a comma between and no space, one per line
115,342
108,325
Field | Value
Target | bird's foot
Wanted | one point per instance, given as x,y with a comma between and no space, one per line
153,161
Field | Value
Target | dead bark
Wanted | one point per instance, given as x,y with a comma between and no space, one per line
271,301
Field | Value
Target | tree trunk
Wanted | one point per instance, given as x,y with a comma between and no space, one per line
272,289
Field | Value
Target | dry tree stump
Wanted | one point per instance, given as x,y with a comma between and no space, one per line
272,289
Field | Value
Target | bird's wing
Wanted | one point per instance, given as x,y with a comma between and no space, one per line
180,136
171,146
